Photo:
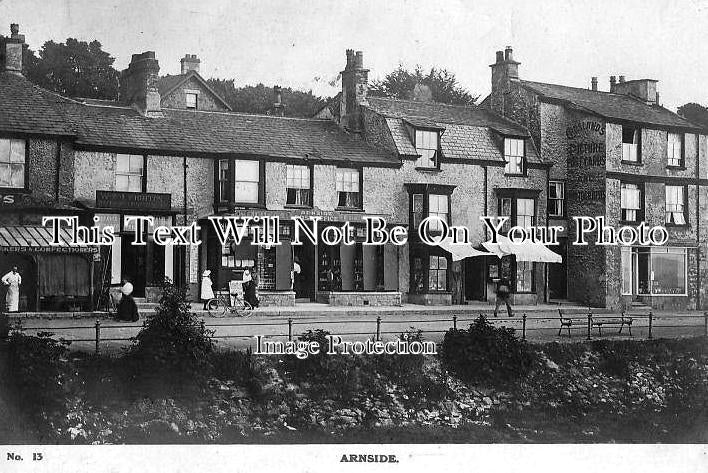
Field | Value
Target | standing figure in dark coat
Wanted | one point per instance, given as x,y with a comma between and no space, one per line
127,308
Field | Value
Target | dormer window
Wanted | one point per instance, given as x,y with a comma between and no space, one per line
427,144
192,99
514,156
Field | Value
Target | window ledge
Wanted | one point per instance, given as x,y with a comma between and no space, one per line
348,209
300,207
630,222
249,205
676,168
677,225
557,216
432,170
506,174
631,163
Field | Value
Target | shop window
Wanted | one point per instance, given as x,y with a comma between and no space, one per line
630,144
630,202
524,276
299,190
556,199
675,205
246,181
674,149
266,269
348,188
223,180
192,100
514,156
437,273
654,271
130,172
12,163
438,206
427,146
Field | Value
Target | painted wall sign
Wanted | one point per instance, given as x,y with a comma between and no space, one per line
133,200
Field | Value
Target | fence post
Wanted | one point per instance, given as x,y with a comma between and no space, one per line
98,334
454,322
651,323
523,326
589,323
290,329
378,328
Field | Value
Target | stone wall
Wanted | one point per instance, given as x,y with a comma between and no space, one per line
276,298
363,298
206,100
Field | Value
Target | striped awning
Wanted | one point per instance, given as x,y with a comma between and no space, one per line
37,239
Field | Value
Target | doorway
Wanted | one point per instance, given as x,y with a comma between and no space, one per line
304,282
474,270
133,265
558,272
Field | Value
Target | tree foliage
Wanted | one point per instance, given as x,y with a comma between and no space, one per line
259,99
694,112
74,69
443,85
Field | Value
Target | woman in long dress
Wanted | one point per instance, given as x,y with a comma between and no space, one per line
12,280
207,291
127,308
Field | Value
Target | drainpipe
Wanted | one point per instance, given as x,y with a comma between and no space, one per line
546,295
698,220
185,272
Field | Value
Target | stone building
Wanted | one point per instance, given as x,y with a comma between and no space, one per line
458,163
189,90
622,156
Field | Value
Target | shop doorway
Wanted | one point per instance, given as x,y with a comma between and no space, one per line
474,270
304,283
27,268
558,272
133,265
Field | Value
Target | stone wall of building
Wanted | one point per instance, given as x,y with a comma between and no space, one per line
205,101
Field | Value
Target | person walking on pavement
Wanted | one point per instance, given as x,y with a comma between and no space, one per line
503,295
13,281
207,291
127,308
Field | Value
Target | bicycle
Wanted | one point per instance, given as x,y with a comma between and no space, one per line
222,303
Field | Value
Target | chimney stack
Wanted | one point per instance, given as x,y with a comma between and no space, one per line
508,54
593,82
12,48
355,87
278,106
138,86
621,79
504,70
642,89
613,82
190,62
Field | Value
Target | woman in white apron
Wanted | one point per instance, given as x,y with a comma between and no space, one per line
12,280
207,291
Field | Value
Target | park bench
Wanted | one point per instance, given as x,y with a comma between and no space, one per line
566,322
622,320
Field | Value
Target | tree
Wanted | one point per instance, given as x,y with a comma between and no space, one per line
695,113
441,84
74,69
259,99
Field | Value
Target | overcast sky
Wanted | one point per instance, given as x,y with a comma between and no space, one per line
302,43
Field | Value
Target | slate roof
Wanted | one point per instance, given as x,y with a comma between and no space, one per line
610,105
467,132
27,108
202,132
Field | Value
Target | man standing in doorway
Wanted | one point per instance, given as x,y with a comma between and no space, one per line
13,281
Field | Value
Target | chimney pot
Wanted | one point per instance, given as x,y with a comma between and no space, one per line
359,60
621,79
509,54
594,83
500,56
613,82
190,62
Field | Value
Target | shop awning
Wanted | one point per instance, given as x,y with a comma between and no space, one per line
460,251
527,251
37,239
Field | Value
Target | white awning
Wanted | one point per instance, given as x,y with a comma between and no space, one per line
527,251
460,251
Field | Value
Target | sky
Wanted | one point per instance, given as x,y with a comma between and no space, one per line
301,44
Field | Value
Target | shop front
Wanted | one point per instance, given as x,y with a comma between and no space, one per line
145,266
355,274
54,277
656,276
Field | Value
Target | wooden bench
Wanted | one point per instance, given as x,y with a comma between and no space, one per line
622,320
566,322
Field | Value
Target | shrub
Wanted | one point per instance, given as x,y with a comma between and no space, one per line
487,354
171,353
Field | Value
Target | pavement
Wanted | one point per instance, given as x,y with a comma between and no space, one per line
359,323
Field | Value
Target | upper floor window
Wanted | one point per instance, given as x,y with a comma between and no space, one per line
247,177
223,180
630,202
514,156
348,188
521,212
427,145
675,149
438,206
12,163
630,144
556,198
298,185
676,205
192,99
130,172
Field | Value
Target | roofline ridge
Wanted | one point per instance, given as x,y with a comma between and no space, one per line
472,107
220,112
